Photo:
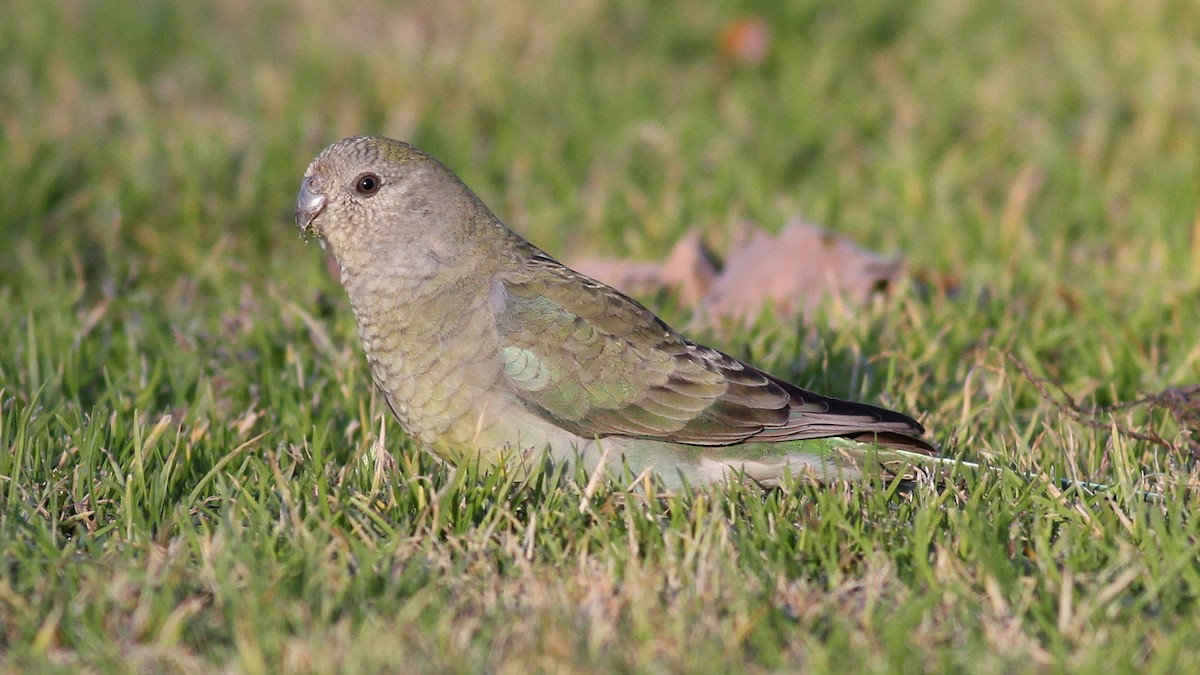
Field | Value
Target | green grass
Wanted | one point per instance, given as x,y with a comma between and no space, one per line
195,472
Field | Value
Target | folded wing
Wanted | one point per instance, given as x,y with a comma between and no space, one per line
597,363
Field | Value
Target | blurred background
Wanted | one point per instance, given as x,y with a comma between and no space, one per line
984,142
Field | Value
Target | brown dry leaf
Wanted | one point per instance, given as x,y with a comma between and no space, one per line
628,276
745,40
689,271
794,272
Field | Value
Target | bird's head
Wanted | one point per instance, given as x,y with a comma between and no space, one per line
375,200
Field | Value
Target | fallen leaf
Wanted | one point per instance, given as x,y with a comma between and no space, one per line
690,270
792,273
628,276
795,272
745,40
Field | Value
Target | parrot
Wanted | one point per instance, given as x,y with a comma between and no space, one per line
487,349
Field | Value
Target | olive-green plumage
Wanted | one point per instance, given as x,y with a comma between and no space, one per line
485,347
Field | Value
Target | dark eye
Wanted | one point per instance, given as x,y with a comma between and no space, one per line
367,184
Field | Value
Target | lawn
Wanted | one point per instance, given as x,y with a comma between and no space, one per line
197,475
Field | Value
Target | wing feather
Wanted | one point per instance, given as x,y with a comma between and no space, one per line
596,362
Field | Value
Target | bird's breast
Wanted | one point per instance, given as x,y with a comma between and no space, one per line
433,352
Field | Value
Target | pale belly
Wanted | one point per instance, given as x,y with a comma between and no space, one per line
518,441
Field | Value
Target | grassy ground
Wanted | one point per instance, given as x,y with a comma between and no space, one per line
195,474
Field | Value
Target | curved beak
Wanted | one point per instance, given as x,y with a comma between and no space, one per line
309,205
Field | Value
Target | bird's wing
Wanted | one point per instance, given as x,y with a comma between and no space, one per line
595,362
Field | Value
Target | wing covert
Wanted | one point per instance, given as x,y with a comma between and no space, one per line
597,363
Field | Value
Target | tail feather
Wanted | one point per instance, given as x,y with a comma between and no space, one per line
889,439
